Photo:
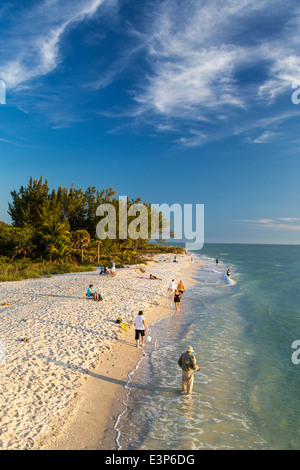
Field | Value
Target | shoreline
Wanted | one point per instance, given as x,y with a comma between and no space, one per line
91,425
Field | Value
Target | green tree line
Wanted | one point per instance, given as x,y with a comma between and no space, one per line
60,226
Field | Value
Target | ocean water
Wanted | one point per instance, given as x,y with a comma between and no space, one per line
247,393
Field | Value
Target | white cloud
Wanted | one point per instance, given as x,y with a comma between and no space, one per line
264,137
194,140
201,79
190,68
289,219
197,49
274,224
34,47
283,72
199,55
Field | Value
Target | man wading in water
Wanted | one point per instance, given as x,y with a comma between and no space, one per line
188,364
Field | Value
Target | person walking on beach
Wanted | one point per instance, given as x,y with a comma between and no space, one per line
172,288
177,299
140,328
188,364
181,288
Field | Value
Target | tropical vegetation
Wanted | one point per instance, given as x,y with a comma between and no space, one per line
54,231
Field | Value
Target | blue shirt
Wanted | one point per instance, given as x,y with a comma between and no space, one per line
89,291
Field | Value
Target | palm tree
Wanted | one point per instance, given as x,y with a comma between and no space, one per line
53,230
22,241
81,239
60,249
98,242
95,245
108,246
132,256
123,258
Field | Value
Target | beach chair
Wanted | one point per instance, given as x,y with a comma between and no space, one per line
90,297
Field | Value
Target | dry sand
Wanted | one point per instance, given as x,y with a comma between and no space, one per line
64,387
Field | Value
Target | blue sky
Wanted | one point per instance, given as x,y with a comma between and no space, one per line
176,102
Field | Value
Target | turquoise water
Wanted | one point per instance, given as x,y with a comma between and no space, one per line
247,396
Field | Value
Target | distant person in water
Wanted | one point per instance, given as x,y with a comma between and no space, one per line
228,274
217,261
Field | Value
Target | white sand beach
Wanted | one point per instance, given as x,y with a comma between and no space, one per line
65,353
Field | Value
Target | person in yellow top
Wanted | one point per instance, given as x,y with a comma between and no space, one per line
181,288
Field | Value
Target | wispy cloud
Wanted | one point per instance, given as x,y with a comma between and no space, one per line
281,223
203,68
290,219
263,138
198,53
33,42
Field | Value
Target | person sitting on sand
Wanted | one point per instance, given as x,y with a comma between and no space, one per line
91,293
112,268
106,270
154,277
